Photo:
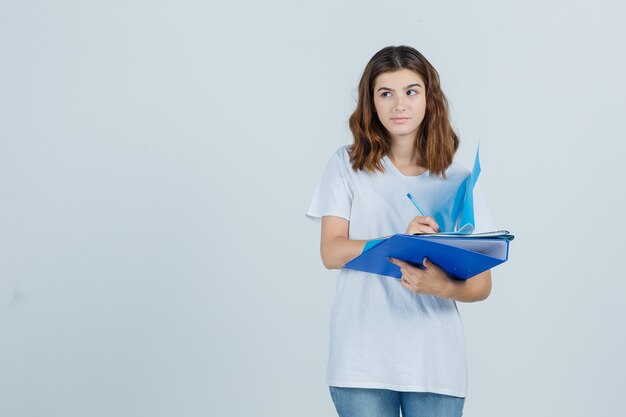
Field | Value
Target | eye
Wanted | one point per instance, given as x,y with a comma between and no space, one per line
415,91
385,92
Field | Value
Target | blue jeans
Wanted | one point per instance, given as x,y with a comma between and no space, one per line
374,402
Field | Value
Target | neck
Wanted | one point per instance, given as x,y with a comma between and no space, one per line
403,152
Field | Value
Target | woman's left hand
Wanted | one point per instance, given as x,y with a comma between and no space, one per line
430,279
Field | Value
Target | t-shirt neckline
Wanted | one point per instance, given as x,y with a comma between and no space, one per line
400,173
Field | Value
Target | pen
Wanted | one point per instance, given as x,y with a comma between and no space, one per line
417,206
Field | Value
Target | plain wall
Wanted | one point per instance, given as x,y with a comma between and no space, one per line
157,159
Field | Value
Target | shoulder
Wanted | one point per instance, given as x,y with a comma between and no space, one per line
341,156
343,152
457,169
457,172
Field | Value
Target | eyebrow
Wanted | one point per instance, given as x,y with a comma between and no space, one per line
406,88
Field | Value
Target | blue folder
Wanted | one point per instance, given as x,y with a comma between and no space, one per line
460,256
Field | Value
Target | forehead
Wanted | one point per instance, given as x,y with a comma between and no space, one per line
399,78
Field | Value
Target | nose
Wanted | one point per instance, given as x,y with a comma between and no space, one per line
400,104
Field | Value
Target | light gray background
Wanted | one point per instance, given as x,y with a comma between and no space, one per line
157,159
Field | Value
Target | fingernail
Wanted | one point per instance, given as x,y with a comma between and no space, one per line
390,260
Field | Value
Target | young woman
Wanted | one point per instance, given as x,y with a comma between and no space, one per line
396,344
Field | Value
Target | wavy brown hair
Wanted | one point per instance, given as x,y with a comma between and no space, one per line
436,142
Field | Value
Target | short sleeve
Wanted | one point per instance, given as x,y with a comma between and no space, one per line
483,222
332,195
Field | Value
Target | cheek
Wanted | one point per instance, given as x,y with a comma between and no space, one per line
378,108
380,113
421,108
423,105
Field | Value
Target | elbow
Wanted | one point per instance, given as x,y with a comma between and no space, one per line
478,289
484,295
486,290
329,263
325,261
475,297
328,260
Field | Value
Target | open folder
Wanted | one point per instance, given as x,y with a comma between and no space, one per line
461,256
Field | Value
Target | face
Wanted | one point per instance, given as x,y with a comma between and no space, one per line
400,102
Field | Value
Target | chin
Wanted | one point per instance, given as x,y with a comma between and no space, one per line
403,132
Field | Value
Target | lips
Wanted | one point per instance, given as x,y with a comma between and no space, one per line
399,119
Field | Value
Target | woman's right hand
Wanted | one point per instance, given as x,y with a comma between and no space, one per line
422,224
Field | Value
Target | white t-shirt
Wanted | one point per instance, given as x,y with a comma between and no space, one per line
381,334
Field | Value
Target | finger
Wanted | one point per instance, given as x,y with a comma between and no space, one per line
428,264
393,260
398,262
407,270
425,224
430,222
424,230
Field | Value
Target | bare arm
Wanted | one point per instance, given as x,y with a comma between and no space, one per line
435,281
476,289
335,247
337,250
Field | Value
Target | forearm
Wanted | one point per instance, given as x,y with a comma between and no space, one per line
476,288
338,251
